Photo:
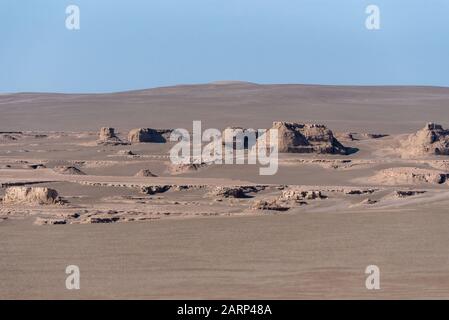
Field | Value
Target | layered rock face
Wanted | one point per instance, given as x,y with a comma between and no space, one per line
107,136
30,195
140,135
431,140
307,138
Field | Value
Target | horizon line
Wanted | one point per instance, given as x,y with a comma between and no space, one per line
228,83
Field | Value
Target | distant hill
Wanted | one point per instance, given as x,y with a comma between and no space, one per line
393,109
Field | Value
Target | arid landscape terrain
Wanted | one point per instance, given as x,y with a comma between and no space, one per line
363,179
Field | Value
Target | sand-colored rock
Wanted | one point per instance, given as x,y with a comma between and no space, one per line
233,192
369,201
298,194
359,191
349,136
307,138
30,195
108,136
181,168
70,170
125,153
35,166
273,205
431,140
407,193
142,135
154,189
100,219
409,175
145,173
49,221
8,137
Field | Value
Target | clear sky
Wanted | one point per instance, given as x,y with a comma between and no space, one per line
135,44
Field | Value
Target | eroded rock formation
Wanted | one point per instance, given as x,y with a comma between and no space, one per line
307,138
30,195
70,170
108,136
145,173
141,135
431,140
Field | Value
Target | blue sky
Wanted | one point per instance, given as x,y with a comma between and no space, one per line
136,44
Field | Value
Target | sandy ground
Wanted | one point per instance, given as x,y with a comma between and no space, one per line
185,241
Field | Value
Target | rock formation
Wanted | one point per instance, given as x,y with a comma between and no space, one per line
30,195
69,170
154,189
234,192
407,193
307,138
125,153
409,175
140,135
373,135
49,221
108,137
298,194
145,173
181,168
273,205
431,140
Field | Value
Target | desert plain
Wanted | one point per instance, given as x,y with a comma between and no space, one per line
363,179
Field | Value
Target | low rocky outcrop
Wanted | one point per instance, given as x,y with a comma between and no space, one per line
409,175
145,173
69,170
373,135
307,138
369,201
233,192
154,189
349,136
100,219
181,168
49,221
35,166
297,194
8,137
31,196
359,191
125,153
273,205
407,193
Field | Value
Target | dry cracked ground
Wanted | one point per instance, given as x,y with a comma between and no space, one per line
363,179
